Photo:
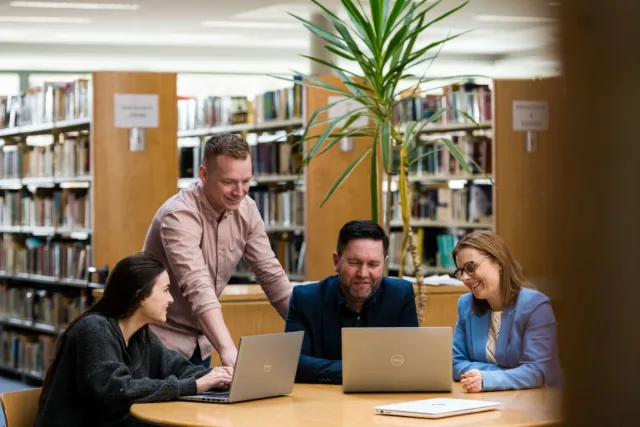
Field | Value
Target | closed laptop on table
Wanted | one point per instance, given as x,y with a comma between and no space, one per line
266,367
436,408
397,359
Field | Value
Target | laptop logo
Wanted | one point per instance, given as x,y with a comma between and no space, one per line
267,366
397,360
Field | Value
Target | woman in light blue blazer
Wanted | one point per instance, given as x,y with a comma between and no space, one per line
505,337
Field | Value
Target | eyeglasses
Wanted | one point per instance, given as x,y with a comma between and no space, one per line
469,267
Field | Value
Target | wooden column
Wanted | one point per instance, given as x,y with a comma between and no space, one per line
351,201
129,187
524,179
596,223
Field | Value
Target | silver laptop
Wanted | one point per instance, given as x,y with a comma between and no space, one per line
397,359
436,408
266,367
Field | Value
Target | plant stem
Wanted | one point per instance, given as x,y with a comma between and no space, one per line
417,263
408,231
387,213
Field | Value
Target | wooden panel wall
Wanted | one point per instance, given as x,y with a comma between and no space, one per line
129,187
351,201
597,204
524,181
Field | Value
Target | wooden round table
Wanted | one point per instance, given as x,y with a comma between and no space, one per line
313,405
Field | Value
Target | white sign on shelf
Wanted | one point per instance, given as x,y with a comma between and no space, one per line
136,110
344,107
530,115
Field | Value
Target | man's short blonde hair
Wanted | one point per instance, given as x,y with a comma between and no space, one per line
225,144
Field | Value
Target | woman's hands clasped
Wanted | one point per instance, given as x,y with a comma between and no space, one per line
472,381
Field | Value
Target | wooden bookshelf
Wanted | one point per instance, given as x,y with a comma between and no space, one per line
523,181
242,127
73,197
129,187
45,128
445,199
269,124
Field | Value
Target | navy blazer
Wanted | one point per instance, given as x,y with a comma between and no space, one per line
315,309
526,351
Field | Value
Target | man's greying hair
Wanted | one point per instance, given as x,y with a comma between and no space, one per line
361,229
225,144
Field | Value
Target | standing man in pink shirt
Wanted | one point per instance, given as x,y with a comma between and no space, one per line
200,234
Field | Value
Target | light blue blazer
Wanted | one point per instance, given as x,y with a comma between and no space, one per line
526,351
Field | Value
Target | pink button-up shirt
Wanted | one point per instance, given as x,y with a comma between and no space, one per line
201,250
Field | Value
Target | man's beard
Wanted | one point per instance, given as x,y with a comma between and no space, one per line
351,293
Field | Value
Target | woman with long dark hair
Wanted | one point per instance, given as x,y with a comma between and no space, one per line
107,358
505,337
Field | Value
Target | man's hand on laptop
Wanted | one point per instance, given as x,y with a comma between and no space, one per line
219,377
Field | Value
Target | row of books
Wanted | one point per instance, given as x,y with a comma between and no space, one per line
59,259
434,248
51,102
472,204
456,104
214,111
279,207
211,111
290,252
41,306
434,158
276,158
42,157
65,208
30,354
268,158
283,104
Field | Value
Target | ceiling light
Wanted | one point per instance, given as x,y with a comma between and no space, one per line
252,25
67,5
45,20
514,19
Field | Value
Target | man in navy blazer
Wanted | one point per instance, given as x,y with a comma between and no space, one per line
358,296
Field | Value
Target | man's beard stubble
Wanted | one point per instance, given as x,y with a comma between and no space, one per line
348,291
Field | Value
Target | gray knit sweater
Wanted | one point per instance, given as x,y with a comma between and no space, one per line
98,377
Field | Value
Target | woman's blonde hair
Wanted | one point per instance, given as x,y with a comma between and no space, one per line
511,277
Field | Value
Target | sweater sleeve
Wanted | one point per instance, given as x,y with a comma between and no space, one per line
172,363
105,379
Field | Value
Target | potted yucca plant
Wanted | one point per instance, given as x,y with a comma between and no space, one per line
382,44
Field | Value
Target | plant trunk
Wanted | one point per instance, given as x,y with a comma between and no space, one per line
387,215
411,248
417,263
408,236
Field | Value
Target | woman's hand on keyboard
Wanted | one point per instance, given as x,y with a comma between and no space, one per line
218,378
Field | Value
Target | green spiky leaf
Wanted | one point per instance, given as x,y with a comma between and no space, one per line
344,175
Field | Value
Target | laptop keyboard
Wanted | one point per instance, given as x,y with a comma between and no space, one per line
215,393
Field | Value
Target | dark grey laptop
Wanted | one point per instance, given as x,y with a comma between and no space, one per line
266,367
397,359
